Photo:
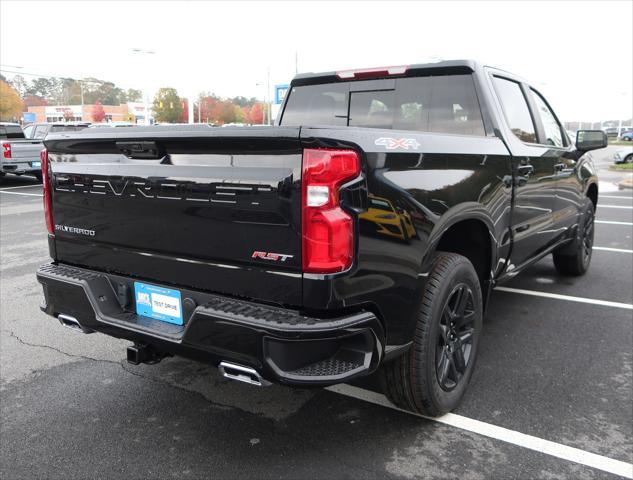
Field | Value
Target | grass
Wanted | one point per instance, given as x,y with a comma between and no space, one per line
626,167
619,142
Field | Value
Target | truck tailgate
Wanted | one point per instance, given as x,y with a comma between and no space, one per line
25,149
218,210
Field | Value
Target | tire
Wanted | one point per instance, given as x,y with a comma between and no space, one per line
628,158
575,259
38,176
430,378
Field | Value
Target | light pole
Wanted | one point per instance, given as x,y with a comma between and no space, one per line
141,51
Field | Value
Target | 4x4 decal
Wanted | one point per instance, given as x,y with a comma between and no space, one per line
396,143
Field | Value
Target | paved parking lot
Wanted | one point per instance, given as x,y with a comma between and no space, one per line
552,394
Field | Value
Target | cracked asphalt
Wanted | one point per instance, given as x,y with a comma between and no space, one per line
72,408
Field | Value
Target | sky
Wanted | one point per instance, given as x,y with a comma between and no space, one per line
579,54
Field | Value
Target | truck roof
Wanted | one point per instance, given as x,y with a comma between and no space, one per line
440,67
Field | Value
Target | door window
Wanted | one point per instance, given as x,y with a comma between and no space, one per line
40,131
553,130
515,109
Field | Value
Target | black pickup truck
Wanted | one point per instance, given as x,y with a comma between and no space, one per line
365,230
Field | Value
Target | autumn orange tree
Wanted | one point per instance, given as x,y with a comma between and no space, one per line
11,105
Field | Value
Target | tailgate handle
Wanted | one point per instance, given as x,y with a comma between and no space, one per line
141,149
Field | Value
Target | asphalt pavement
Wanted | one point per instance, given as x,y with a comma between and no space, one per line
551,397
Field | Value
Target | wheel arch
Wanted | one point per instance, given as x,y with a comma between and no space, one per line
592,193
469,234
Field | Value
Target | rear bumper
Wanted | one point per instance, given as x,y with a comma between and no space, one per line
283,345
19,167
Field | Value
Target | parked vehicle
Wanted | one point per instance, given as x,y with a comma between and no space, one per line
623,155
258,262
19,155
627,136
40,130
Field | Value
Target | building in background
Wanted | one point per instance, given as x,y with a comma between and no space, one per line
130,112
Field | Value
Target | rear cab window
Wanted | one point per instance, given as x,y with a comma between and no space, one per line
11,131
441,104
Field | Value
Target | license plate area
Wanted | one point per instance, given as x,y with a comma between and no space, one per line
159,303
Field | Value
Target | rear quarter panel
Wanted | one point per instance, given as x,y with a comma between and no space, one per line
437,181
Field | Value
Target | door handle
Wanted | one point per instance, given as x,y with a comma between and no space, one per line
559,167
526,170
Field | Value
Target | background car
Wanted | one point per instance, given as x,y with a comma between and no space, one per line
623,155
627,136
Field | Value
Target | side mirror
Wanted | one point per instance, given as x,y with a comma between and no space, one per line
591,140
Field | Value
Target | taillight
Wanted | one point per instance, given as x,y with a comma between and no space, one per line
6,150
328,231
46,185
372,72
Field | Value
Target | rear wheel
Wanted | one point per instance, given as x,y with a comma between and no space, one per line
575,259
432,376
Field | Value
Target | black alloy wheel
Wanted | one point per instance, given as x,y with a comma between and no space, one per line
455,337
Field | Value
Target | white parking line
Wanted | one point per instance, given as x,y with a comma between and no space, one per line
20,193
624,207
569,298
21,186
609,222
530,442
627,197
609,249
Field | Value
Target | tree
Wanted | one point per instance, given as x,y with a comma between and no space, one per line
98,113
255,114
11,105
20,85
208,106
48,88
184,117
133,95
226,112
167,106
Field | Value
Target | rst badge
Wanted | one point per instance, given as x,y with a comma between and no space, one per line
275,257
398,143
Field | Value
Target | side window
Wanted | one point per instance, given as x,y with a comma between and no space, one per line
40,131
515,109
553,130
454,107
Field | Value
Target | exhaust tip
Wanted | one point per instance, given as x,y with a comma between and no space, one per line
243,374
71,322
